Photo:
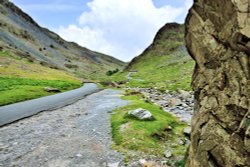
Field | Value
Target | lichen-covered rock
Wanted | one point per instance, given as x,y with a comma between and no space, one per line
218,39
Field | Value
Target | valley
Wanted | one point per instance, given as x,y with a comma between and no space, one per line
33,60
165,64
183,101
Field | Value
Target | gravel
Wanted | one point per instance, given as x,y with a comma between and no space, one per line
75,135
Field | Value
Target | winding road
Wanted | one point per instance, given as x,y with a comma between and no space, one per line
17,111
77,135
129,77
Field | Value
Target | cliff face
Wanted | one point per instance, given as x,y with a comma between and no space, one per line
218,39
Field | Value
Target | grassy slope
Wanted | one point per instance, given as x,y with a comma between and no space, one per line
154,73
20,33
23,80
141,136
165,64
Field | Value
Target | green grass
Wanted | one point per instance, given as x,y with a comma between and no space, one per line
147,137
14,90
22,80
164,65
162,72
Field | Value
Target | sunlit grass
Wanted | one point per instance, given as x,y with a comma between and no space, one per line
139,135
22,80
159,72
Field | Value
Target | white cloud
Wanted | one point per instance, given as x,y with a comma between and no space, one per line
188,4
121,28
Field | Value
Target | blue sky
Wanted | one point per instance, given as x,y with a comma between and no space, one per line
121,28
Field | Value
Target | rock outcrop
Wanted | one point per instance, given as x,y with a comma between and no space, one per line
218,39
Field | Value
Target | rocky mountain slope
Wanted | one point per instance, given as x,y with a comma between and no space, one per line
21,35
168,39
165,63
218,38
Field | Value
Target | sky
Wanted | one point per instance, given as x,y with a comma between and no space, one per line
120,28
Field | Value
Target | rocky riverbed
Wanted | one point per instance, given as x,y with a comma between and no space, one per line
179,103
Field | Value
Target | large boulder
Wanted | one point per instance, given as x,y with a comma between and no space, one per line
218,39
141,114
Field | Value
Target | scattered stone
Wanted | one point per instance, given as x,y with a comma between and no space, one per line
187,131
145,163
180,142
63,135
184,94
79,155
164,162
142,161
51,89
141,114
168,128
172,102
168,153
113,164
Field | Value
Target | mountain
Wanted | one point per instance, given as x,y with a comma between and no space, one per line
21,35
165,63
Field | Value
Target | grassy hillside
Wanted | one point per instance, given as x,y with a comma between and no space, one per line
22,80
165,64
33,57
158,72
20,33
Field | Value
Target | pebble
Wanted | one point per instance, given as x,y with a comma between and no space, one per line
79,155
114,164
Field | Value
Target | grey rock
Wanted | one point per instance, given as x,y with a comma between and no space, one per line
113,164
187,131
51,89
168,153
141,114
78,155
180,142
183,94
172,102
